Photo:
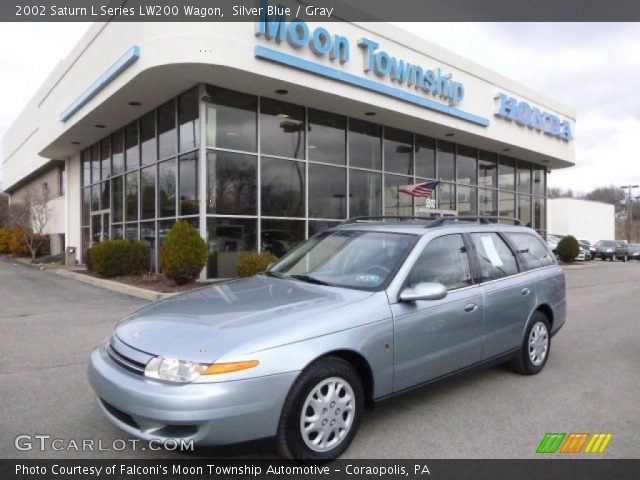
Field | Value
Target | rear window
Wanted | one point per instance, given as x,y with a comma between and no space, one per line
533,251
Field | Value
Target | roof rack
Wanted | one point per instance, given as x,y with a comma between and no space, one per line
472,218
384,217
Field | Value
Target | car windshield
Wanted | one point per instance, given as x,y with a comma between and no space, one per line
607,243
352,259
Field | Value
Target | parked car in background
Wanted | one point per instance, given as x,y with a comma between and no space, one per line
612,250
590,248
553,240
357,313
633,251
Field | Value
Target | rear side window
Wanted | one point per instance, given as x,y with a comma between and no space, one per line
533,251
495,257
444,260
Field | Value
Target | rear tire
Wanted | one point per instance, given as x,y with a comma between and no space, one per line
322,412
536,346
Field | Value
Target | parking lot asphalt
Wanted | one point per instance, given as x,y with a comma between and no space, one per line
591,383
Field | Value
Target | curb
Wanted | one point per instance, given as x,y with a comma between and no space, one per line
118,287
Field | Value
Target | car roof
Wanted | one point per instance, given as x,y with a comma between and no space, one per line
422,226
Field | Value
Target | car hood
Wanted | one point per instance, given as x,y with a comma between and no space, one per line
256,313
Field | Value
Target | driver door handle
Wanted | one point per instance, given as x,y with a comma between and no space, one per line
470,307
525,291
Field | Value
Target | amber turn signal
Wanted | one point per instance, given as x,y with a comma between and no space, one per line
217,368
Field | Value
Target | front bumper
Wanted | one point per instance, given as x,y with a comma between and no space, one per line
207,413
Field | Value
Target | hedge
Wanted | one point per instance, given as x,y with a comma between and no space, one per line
184,253
115,258
568,249
252,263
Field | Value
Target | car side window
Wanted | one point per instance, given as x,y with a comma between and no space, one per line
494,255
533,251
444,260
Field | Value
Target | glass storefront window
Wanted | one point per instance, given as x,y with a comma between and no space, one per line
446,160
524,210
117,231
164,227
148,237
86,243
232,183
319,226
131,196
281,236
507,205
467,203
131,231
488,166
466,164
166,130
506,173
487,202
86,167
117,197
327,137
524,177
189,120
231,119
117,151
95,163
104,195
538,181
227,238
395,201
539,219
365,145
188,188
148,192
365,193
86,205
281,128
446,196
425,157
95,198
148,146
167,188
105,158
398,149
132,151
283,188
327,191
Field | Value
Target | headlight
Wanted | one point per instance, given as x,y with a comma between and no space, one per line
609,250
183,371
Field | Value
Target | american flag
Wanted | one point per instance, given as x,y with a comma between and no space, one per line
425,189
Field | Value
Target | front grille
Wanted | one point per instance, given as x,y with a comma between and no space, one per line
125,362
120,415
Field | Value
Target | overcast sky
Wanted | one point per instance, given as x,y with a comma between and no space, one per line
595,68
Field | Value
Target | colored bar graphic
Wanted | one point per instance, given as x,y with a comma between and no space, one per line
573,442
598,443
550,443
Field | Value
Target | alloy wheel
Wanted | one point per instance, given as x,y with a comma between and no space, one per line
538,343
327,414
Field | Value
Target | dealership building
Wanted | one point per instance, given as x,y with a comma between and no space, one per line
263,134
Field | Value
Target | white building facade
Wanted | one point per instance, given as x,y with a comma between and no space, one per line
263,134
584,219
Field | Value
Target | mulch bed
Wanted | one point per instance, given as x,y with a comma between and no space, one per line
158,283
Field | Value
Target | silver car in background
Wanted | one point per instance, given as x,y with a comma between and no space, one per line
356,314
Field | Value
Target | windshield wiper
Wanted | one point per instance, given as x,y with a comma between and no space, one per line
274,274
308,279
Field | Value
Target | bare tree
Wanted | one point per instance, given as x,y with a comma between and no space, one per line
31,216
557,192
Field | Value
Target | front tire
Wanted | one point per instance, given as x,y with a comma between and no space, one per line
536,346
322,412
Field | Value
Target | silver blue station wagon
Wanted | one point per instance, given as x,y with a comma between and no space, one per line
354,315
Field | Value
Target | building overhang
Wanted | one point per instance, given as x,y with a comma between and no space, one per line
153,86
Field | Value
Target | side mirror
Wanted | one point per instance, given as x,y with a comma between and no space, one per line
423,291
269,267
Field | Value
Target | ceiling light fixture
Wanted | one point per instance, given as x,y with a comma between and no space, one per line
282,91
